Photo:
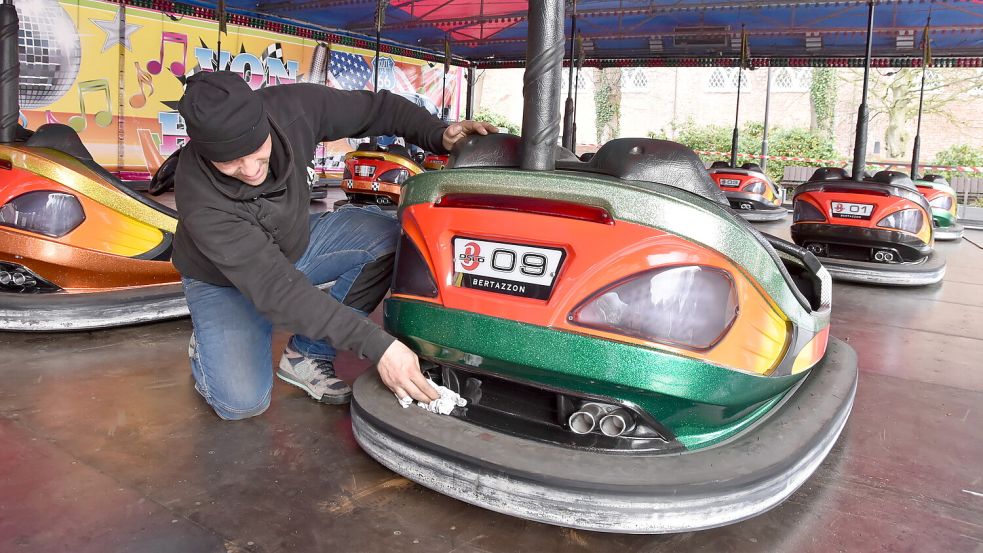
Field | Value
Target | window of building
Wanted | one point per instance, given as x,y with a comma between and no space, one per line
634,79
584,82
934,81
724,79
791,79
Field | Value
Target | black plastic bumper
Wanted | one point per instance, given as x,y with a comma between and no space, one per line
628,493
859,243
929,271
951,232
754,207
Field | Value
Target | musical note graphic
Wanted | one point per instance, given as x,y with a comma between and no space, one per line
50,117
102,117
177,67
143,78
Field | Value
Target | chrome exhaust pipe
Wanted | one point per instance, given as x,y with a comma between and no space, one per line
584,421
889,256
5,277
879,256
616,423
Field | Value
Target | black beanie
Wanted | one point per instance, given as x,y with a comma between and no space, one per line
225,118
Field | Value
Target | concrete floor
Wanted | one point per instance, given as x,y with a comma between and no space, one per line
105,446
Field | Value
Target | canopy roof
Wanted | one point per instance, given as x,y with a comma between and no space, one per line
650,32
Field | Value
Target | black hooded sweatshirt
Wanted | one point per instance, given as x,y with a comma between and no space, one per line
232,234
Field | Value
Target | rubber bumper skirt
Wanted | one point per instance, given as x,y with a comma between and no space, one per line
952,232
731,481
930,271
61,311
761,210
762,215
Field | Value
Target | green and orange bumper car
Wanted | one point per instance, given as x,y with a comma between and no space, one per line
942,199
636,358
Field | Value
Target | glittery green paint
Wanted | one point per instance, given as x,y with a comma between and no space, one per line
659,206
941,217
701,403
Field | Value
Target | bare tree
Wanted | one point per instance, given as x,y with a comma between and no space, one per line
894,96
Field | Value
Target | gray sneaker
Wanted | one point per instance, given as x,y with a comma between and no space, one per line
315,376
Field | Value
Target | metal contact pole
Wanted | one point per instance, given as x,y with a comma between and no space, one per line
568,113
541,85
469,107
921,103
9,72
764,133
860,144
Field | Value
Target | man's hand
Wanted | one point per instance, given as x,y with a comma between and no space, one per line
399,369
457,131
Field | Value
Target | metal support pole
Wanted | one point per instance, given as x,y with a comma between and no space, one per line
443,84
576,94
121,93
921,102
221,27
375,69
764,134
469,107
379,17
737,114
568,113
860,144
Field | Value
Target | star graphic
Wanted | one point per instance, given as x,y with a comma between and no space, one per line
111,28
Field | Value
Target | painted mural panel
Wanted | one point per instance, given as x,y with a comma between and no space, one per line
84,67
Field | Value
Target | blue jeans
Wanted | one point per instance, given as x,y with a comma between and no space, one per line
231,345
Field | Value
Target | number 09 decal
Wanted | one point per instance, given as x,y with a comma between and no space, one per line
514,269
533,264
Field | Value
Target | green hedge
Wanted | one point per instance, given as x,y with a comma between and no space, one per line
795,142
959,154
497,119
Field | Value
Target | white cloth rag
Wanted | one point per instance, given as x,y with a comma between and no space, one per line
443,405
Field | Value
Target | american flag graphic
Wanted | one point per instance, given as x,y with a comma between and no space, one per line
350,71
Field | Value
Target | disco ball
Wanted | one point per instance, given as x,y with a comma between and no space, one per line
49,51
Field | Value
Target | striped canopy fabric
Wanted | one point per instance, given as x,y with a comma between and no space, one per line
779,32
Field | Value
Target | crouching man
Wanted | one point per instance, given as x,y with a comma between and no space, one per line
252,257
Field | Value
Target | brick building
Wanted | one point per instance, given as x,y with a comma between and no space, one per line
655,98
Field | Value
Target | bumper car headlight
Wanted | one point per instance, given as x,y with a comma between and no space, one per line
53,214
756,187
942,202
688,306
908,220
804,211
395,176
